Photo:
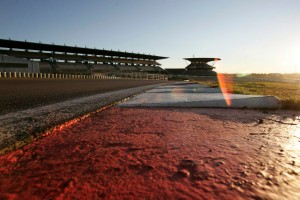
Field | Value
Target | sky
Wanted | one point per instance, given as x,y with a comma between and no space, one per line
250,36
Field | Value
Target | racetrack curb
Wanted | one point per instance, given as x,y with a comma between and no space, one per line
23,127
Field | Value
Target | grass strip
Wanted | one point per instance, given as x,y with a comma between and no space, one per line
288,93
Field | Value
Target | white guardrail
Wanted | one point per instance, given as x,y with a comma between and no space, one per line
72,76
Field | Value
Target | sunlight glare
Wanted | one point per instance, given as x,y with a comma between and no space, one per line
226,85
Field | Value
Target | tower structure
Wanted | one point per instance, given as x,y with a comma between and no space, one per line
200,66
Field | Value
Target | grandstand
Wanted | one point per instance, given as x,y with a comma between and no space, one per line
13,64
62,59
197,67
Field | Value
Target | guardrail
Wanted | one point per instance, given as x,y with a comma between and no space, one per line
74,76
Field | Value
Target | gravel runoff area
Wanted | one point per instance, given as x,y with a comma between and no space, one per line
19,94
22,127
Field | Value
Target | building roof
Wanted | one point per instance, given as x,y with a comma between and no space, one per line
205,60
62,56
13,44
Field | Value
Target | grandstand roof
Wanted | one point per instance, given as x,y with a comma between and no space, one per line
13,44
202,59
45,56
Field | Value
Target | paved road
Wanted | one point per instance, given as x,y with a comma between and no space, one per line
200,96
17,94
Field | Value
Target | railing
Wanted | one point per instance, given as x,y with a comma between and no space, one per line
132,76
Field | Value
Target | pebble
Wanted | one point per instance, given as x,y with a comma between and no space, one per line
219,163
183,173
260,121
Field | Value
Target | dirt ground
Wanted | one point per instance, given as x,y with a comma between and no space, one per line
18,94
132,153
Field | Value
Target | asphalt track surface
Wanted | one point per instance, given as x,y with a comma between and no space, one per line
19,94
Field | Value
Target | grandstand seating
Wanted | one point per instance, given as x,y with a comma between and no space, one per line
73,68
148,69
157,68
45,67
103,68
58,59
128,68
68,68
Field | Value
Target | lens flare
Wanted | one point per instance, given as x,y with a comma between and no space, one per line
226,85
